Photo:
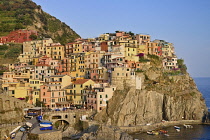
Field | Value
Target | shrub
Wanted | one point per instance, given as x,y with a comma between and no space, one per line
153,56
142,59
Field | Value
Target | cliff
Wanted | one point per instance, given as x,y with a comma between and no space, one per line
164,95
25,14
11,109
11,114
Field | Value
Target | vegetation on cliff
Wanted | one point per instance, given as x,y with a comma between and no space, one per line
25,14
9,54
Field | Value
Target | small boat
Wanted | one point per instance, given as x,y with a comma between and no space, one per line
15,130
46,128
152,132
29,124
163,131
39,118
12,135
178,130
188,126
177,127
166,135
45,122
45,125
22,129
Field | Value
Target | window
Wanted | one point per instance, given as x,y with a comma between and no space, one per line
106,96
100,102
100,96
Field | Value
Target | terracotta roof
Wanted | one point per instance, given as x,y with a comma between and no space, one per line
81,81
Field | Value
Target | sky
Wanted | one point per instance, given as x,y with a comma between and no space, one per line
185,23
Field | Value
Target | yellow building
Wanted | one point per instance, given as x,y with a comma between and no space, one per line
63,80
152,48
103,37
34,95
142,49
130,51
77,65
22,90
33,49
78,90
77,47
55,51
35,60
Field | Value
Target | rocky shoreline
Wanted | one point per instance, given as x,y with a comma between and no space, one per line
125,132
145,128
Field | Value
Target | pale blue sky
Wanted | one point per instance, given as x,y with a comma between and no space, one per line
185,23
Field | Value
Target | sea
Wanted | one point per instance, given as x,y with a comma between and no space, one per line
198,132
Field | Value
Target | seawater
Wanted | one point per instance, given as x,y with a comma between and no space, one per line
198,132
203,85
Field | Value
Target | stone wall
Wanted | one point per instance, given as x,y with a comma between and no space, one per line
56,135
11,109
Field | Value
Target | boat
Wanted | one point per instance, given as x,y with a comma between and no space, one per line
188,126
45,122
178,130
177,127
29,124
166,135
152,132
45,125
46,128
15,130
12,135
163,131
39,118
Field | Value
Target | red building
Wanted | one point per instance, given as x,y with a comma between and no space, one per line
104,46
18,36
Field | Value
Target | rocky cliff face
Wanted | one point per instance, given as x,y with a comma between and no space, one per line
162,97
11,109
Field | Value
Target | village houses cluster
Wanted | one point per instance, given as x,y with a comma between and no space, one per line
81,72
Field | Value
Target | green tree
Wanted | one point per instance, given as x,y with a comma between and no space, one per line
181,65
18,26
33,37
39,104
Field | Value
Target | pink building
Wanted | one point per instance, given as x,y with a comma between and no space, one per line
98,98
119,33
131,64
88,46
53,96
44,60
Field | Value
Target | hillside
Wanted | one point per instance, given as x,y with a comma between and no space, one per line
25,14
9,53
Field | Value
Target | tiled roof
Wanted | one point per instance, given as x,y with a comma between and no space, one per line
81,81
